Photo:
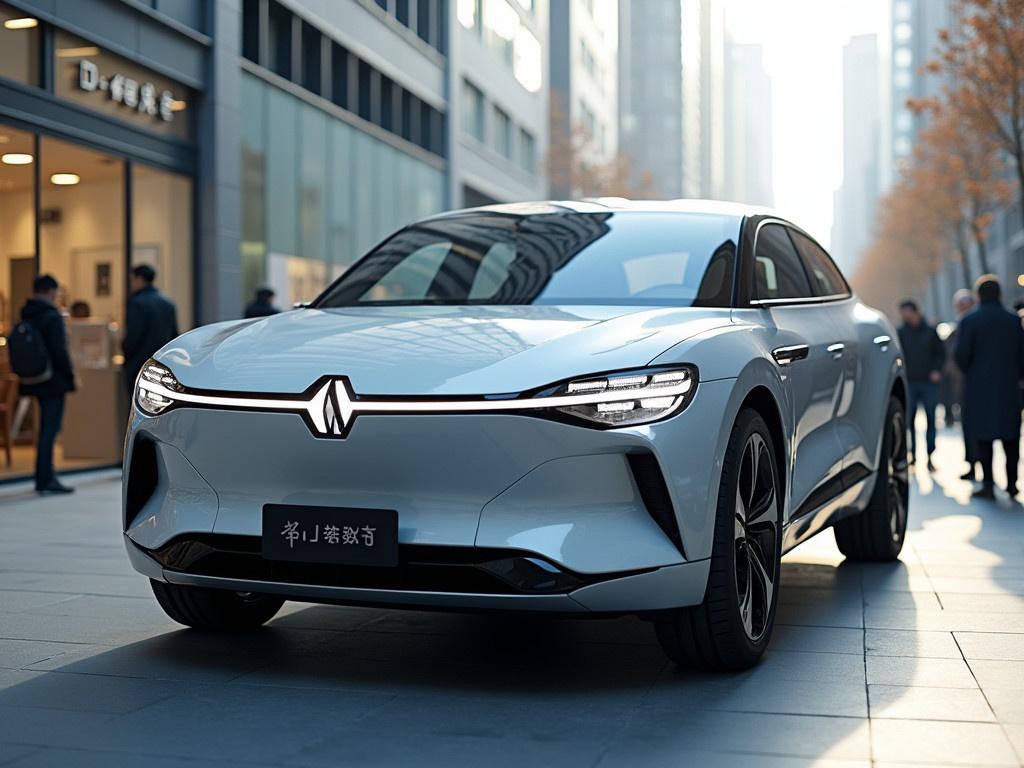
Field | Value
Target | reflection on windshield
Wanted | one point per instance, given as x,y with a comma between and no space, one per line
612,258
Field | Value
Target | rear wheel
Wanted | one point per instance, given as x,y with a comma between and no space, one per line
877,533
215,610
731,628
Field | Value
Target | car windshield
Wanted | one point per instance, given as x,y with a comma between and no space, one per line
660,259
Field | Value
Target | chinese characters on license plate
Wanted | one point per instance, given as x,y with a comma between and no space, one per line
337,535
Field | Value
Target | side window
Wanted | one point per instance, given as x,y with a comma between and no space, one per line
778,272
826,279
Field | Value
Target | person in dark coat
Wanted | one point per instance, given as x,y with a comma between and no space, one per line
924,356
990,352
151,322
963,303
263,305
42,314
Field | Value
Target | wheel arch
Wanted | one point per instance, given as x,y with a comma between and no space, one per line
761,399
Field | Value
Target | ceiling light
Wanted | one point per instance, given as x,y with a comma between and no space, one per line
178,105
65,179
26,23
16,158
78,53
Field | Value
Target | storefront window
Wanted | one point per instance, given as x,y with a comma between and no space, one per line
162,233
19,45
81,243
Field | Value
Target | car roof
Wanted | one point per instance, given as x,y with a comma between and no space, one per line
615,204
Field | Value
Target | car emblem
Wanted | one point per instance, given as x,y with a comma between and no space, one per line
331,409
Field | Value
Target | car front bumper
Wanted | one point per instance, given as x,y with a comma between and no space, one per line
627,513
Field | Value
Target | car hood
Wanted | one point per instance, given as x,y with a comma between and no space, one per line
430,350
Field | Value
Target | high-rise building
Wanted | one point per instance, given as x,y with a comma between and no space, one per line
915,37
748,126
498,101
855,200
651,92
584,81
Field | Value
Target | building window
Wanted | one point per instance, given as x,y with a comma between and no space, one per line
468,14
279,36
387,104
527,151
19,46
501,25
365,91
502,133
340,63
312,57
402,12
251,30
473,111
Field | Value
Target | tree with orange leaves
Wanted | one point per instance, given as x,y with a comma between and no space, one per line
984,60
573,171
959,174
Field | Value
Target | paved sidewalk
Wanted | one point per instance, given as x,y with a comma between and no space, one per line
919,662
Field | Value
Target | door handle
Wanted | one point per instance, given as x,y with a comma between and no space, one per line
836,350
787,355
882,342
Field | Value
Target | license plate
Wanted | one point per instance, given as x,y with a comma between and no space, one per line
336,535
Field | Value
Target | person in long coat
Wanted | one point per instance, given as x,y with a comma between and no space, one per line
990,352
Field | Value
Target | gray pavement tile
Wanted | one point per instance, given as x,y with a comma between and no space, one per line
242,723
1007,703
941,742
946,620
18,601
84,693
47,727
998,646
15,654
659,735
998,674
85,629
79,758
1015,733
10,753
818,639
812,613
917,703
127,584
985,603
927,672
779,696
903,642
723,759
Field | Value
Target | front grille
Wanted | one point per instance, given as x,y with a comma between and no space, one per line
421,568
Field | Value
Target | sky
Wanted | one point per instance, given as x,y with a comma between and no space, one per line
803,48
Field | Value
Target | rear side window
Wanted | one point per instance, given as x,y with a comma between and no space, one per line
826,279
778,272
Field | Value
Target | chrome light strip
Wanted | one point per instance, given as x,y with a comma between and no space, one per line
349,406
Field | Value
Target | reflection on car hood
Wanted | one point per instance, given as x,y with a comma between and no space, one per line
430,350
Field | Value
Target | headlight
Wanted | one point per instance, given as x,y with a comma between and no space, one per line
147,397
629,399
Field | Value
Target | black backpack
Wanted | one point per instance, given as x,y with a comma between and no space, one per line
30,360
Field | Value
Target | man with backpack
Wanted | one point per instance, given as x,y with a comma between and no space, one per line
38,351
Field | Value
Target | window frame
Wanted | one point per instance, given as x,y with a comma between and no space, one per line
748,270
828,257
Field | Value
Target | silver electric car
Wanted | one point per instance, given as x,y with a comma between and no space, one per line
601,407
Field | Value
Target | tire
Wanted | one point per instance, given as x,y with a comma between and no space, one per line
877,533
731,628
215,610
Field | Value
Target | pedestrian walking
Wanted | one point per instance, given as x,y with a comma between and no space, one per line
263,304
990,352
923,356
151,322
38,352
963,303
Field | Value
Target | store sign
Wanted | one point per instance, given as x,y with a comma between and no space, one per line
120,88
142,97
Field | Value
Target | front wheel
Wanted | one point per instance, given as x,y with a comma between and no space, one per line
215,610
731,628
877,533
